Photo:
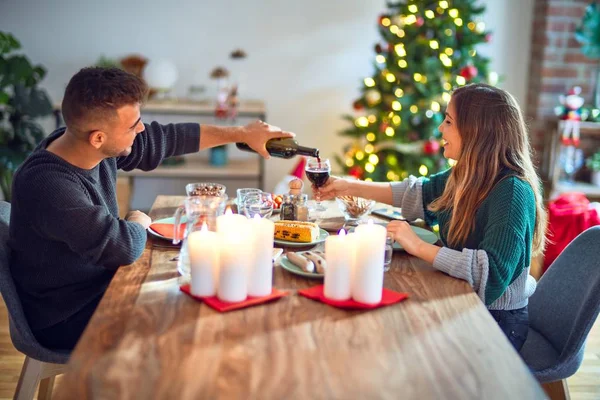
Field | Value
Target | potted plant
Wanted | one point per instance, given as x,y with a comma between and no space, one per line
593,163
21,102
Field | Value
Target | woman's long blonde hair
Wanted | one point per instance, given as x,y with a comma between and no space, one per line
494,137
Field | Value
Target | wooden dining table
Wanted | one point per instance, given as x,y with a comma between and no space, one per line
147,339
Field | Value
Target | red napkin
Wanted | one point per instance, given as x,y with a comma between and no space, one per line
166,230
223,306
389,297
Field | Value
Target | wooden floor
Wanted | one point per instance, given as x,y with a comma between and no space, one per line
585,385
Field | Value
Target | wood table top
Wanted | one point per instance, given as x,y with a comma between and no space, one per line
149,340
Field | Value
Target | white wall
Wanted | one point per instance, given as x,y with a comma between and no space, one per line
306,58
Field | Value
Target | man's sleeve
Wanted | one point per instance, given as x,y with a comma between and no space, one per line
158,142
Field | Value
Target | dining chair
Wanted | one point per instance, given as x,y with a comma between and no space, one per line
562,311
41,364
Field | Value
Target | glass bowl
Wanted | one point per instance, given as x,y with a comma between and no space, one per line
205,189
354,208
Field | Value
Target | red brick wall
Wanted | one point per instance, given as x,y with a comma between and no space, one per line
556,65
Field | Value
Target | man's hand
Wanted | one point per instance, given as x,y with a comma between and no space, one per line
139,217
256,134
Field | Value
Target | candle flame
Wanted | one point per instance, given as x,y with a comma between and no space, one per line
204,227
257,217
342,232
228,211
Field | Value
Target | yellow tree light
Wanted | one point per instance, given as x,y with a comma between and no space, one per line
402,64
423,170
429,14
390,77
369,148
434,44
385,21
446,96
443,4
396,105
360,155
435,106
396,120
460,80
361,122
400,33
453,13
389,131
399,92
394,29
417,77
349,162
369,82
369,167
380,59
449,51
371,137
414,109
373,159
399,48
410,19
458,21
372,119
413,8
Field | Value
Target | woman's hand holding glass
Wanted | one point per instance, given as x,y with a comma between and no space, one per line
402,233
333,188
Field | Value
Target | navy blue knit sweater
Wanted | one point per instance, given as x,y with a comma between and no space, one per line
65,233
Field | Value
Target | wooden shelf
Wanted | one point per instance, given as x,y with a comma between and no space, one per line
199,168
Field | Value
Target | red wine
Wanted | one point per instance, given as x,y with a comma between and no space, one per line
283,148
318,177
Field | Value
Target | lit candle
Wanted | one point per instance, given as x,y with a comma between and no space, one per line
367,280
260,276
235,257
339,253
203,248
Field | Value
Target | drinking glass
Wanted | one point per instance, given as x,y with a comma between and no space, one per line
241,197
260,204
317,171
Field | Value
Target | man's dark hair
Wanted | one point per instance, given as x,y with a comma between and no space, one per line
94,94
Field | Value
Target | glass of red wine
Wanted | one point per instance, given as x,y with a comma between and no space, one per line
317,171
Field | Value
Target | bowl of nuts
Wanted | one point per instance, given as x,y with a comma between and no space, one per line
354,208
204,189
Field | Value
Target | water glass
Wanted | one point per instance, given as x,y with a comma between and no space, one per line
241,197
260,204
389,251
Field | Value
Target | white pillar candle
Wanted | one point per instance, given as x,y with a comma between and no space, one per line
367,284
260,276
339,253
229,222
235,258
203,248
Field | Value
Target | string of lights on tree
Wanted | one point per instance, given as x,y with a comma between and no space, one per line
427,49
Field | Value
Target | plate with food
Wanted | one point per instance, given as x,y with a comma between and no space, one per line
298,233
309,264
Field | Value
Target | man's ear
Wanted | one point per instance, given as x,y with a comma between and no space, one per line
97,139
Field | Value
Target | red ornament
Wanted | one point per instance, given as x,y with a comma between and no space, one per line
420,22
378,48
383,126
431,147
488,37
356,171
358,106
469,72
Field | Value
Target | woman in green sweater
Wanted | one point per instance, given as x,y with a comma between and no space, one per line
488,206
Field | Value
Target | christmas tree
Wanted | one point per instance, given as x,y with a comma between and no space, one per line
427,49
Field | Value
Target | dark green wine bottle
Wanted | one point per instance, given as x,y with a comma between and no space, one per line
283,148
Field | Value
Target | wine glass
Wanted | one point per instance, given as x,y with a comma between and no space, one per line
317,171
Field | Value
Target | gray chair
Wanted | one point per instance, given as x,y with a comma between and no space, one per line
562,311
41,365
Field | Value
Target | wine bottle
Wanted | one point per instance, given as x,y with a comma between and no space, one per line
283,148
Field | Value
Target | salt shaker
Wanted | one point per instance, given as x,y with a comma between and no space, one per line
301,207
288,210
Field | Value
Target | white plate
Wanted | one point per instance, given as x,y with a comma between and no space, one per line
322,236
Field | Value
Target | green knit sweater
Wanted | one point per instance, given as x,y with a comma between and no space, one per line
504,226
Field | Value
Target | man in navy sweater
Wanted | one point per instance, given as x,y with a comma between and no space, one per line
66,237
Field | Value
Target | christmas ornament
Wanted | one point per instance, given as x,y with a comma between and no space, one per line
383,127
378,48
420,22
469,72
570,112
356,171
431,147
382,17
358,106
488,37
